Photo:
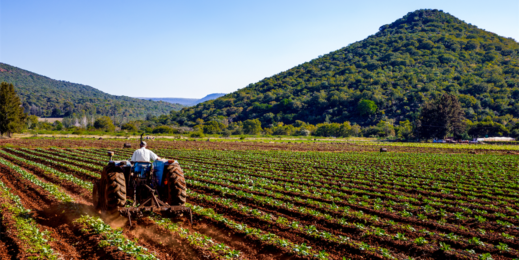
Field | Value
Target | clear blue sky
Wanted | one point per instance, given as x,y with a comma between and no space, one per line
193,48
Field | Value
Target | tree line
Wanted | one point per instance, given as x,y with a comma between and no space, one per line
438,118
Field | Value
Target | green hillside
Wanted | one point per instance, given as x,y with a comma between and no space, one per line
410,61
47,97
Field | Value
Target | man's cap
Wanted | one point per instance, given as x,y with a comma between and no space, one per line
143,143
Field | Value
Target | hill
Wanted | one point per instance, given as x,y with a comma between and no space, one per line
406,63
187,101
211,97
46,97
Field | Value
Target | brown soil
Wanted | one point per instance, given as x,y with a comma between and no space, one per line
157,240
48,214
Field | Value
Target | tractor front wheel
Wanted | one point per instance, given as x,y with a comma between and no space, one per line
176,185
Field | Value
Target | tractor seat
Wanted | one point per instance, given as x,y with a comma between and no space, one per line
142,169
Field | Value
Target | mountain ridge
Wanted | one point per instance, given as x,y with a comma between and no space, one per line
47,97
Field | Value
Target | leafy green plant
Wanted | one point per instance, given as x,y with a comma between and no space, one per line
420,241
113,237
26,229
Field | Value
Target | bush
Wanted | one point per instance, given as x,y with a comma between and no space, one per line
196,134
77,132
226,133
252,126
213,127
238,131
104,123
305,132
129,127
163,130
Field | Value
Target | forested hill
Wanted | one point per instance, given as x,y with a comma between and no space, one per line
47,97
414,59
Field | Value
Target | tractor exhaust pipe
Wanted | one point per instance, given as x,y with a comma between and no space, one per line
111,154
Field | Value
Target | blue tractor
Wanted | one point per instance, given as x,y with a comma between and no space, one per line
133,188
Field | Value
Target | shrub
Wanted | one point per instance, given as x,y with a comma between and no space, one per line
163,130
104,123
197,134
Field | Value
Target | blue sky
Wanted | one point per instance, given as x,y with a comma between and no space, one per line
194,48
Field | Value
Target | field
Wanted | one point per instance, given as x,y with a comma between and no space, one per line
268,201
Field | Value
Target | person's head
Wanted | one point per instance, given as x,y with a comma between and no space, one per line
143,144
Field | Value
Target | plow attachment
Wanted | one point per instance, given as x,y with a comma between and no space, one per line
153,204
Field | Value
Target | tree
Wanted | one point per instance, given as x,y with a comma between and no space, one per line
12,116
404,130
213,127
163,130
345,130
32,121
367,107
252,126
385,128
58,125
328,129
441,117
487,127
104,123
130,126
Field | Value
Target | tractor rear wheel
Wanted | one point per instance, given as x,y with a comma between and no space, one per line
176,185
115,190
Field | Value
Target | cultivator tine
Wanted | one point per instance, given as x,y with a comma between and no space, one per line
130,218
190,218
183,209
154,204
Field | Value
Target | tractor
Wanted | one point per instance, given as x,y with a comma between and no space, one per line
133,188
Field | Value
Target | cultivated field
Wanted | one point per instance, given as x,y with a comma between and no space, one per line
268,201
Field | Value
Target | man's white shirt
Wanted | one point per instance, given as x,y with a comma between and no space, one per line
143,155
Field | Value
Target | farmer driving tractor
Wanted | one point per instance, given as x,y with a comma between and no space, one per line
143,154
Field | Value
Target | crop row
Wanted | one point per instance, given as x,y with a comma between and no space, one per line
335,190
50,171
26,229
283,223
58,163
441,199
48,155
197,240
418,166
376,176
258,234
329,194
344,216
111,237
51,188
